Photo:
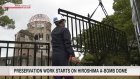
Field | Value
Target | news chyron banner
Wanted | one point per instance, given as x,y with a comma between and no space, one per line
70,71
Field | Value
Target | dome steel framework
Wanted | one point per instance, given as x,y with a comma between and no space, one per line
39,17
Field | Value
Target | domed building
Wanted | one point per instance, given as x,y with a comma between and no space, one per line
40,26
38,30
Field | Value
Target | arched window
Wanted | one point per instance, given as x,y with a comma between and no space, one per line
36,37
40,36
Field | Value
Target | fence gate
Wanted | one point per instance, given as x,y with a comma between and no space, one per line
14,53
92,36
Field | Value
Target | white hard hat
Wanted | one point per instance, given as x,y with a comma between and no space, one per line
58,18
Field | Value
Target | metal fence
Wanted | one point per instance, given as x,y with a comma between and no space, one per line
92,36
87,36
13,53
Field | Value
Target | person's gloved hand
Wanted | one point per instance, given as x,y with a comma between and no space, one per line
74,60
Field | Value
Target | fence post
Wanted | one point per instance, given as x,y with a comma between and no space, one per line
0,52
90,34
35,50
6,54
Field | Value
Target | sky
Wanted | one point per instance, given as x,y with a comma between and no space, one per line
50,8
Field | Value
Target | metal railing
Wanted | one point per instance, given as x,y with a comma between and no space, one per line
13,53
88,36
92,36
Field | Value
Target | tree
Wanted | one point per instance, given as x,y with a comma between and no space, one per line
121,19
5,21
109,45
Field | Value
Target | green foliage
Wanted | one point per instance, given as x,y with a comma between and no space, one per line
107,59
1,11
121,19
17,1
109,45
13,1
5,21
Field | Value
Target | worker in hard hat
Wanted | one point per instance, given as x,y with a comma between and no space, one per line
62,50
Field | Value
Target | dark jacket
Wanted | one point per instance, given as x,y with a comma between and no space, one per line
61,46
